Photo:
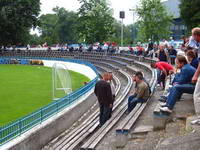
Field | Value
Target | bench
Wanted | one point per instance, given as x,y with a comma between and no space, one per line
124,59
97,136
161,120
129,121
105,64
118,63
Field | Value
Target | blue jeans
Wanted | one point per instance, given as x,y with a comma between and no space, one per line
104,114
132,102
176,92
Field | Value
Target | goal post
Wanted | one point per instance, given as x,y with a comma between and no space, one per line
61,81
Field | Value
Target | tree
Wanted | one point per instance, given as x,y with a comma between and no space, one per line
59,27
67,25
190,13
154,22
128,33
48,28
17,17
34,39
95,21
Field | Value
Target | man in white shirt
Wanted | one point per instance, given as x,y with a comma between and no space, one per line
195,43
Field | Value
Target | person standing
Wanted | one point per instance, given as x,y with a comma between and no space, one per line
112,90
150,49
194,42
163,54
104,95
172,54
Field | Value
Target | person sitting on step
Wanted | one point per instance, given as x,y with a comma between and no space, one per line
192,58
142,91
182,83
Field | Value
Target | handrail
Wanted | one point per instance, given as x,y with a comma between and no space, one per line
16,128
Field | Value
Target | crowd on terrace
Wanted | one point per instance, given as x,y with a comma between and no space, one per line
181,67
179,64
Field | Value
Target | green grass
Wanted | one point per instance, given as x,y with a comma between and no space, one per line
24,89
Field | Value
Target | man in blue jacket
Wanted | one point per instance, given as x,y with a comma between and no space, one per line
182,83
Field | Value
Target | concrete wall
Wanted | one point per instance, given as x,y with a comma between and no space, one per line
42,134
82,69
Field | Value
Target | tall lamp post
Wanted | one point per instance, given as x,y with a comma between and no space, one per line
122,16
133,34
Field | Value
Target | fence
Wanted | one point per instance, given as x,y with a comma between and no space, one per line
16,128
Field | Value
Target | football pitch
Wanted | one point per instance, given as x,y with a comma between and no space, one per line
25,88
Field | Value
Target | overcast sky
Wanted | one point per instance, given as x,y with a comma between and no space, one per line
117,5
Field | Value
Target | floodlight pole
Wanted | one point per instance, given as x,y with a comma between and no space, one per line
122,16
133,22
122,33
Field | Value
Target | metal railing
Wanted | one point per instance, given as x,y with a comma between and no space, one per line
16,128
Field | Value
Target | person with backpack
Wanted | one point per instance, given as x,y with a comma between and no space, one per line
142,91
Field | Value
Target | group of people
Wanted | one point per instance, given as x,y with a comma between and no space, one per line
186,75
104,90
183,71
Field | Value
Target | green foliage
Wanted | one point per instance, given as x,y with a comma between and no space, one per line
34,39
59,27
95,23
154,21
189,10
25,89
66,25
128,33
17,17
48,28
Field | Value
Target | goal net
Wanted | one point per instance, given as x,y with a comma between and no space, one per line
61,81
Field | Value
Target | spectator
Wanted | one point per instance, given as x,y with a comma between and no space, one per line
164,69
171,42
104,95
150,49
140,50
166,43
90,48
71,49
172,54
162,54
193,60
131,50
141,92
181,84
80,48
195,42
185,40
110,80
